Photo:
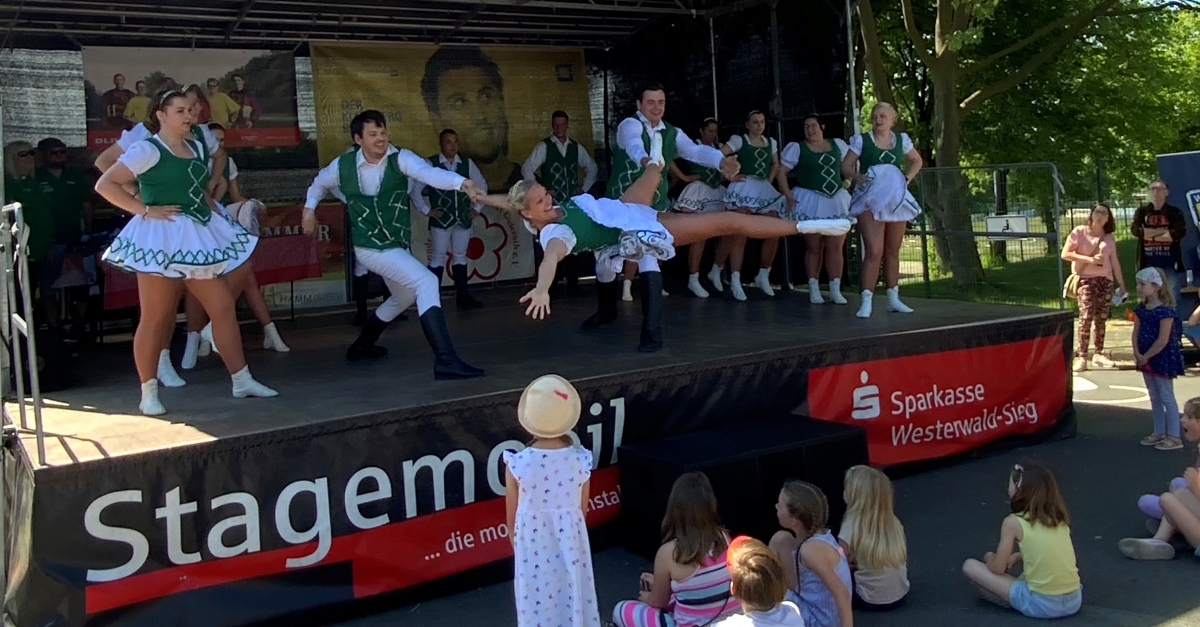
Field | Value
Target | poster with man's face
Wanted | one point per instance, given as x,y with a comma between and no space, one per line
498,99
250,93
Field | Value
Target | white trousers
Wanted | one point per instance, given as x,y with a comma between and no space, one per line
408,279
455,240
605,273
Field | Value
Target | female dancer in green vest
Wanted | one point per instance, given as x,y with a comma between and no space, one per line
881,201
175,237
750,192
819,194
627,229
167,376
704,192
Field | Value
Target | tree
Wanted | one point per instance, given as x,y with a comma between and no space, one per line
969,62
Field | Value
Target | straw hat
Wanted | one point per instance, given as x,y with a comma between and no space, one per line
549,407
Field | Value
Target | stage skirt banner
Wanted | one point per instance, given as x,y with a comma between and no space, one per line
410,501
1181,172
252,93
938,404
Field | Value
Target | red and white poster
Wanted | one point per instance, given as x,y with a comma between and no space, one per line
251,93
938,404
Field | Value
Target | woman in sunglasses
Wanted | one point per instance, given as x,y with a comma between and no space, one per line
173,239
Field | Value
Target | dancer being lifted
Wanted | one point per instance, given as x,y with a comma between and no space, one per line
628,229
373,181
450,216
172,238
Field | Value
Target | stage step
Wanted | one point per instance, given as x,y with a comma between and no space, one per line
747,464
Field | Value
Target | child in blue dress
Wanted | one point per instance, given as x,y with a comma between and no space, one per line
1156,351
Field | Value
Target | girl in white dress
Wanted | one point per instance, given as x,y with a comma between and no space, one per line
819,194
751,192
705,191
882,202
175,237
546,496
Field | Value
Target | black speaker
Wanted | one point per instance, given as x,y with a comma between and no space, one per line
746,463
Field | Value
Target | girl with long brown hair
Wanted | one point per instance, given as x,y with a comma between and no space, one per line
1049,586
690,583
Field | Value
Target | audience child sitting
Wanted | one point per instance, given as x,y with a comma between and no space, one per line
1049,586
759,585
815,566
1180,508
690,583
873,540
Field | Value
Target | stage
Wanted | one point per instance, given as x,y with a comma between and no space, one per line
133,521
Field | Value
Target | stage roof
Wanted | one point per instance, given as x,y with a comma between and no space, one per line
291,23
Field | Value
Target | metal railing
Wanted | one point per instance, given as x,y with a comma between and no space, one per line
14,251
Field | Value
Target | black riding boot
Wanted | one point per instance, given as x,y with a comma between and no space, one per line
464,299
607,295
654,309
446,364
359,288
438,272
364,347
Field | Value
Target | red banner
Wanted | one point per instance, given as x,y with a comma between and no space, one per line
386,558
234,138
938,404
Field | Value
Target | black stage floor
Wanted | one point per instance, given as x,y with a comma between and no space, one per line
98,418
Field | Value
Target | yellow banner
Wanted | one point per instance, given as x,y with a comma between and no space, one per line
498,99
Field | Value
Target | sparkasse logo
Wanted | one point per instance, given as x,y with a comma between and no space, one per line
866,400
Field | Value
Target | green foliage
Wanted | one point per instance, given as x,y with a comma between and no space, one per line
1116,97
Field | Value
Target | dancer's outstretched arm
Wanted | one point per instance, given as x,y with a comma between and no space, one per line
538,298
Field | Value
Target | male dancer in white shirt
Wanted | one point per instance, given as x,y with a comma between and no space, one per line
450,216
635,136
555,162
373,180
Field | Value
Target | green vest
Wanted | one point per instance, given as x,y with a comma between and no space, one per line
874,155
379,222
455,205
708,176
177,181
820,172
755,161
625,171
590,236
559,173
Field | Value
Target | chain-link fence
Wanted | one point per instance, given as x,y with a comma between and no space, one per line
988,233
